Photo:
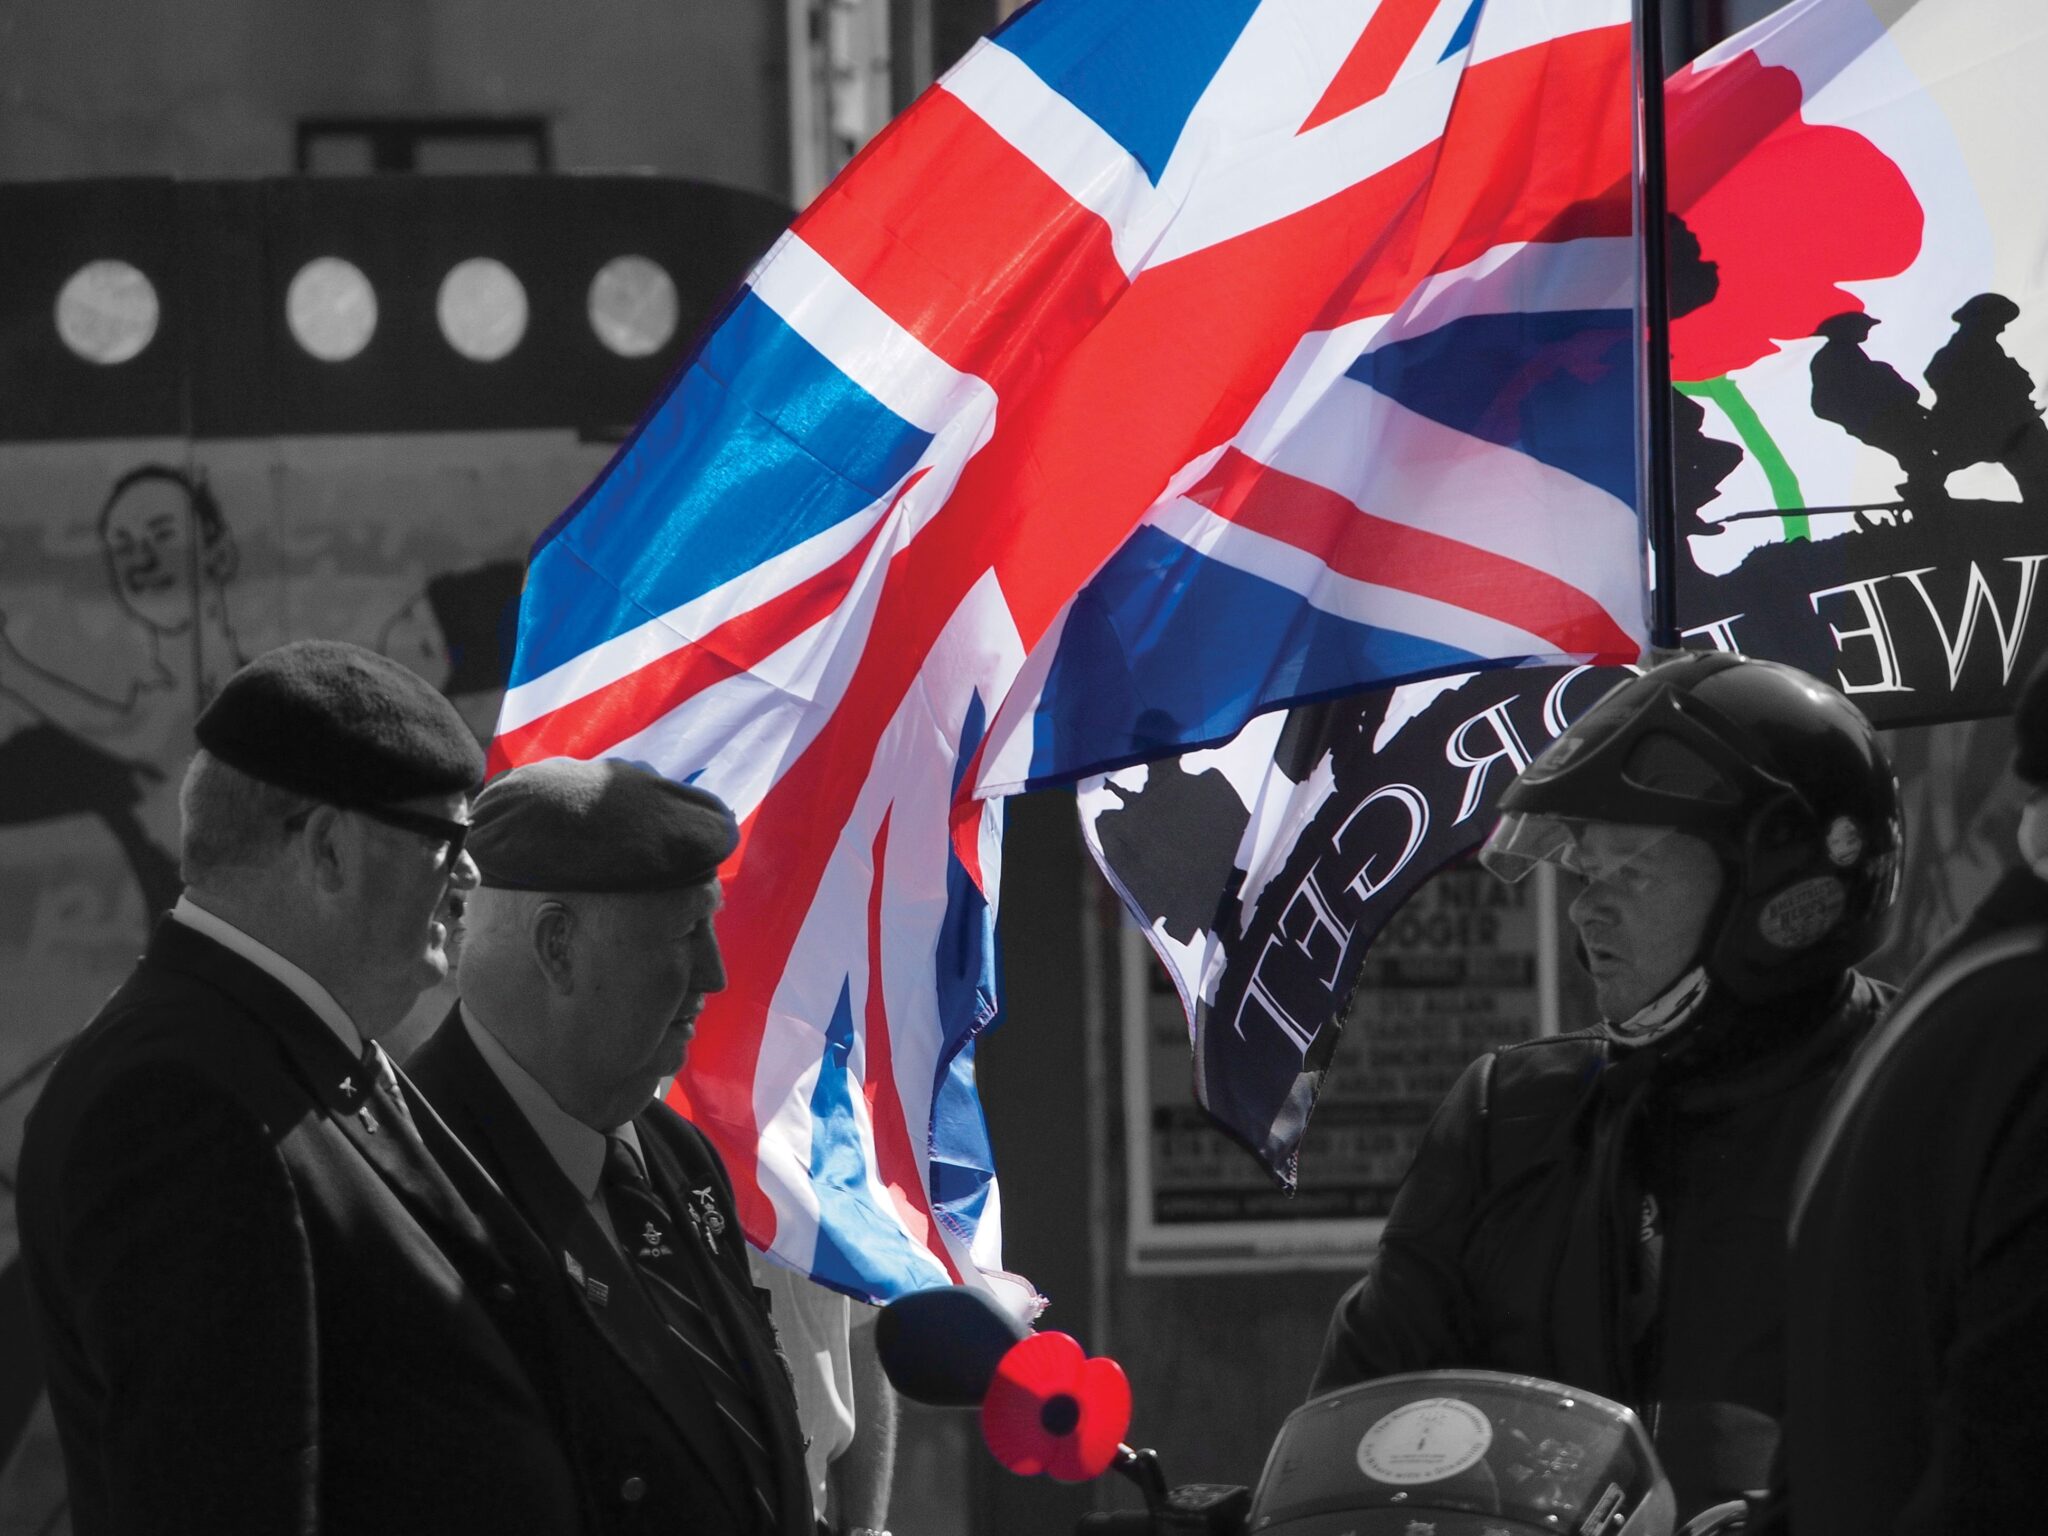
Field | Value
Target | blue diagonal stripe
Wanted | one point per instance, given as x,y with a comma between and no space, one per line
1136,70
1168,649
1558,385
761,444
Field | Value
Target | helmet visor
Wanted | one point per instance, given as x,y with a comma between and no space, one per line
1596,852
1647,754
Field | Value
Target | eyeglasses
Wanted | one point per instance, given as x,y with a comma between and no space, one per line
435,829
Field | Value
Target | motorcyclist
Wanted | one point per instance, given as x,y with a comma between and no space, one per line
1607,1208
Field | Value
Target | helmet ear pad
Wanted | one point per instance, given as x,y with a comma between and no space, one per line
1807,901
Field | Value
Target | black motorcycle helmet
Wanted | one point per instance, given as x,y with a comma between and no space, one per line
1778,773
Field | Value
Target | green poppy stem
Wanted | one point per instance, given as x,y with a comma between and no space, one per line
1785,493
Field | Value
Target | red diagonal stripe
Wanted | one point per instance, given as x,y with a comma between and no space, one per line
1382,48
606,716
964,242
1355,543
1536,148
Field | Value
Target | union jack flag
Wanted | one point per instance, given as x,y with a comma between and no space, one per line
1136,380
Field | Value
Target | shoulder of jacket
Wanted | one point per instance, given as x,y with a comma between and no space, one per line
172,1027
1995,960
1546,1054
679,1135
1532,1077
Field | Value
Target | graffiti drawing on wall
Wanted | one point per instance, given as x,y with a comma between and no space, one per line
75,750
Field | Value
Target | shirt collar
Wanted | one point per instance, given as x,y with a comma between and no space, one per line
577,1149
267,960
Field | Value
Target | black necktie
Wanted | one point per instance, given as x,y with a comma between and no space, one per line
650,1235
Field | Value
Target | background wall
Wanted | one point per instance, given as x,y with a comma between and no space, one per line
215,87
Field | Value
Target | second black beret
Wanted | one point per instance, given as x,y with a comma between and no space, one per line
567,825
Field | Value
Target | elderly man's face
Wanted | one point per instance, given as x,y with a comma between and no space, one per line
412,895
1642,914
651,959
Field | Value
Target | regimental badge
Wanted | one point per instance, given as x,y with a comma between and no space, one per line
706,1217
651,1244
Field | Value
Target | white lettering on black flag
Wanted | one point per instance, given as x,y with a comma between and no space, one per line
1265,869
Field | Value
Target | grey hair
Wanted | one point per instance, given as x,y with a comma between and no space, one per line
494,926
496,922
229,820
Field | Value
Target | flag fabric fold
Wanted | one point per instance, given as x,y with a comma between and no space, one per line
1850,210
1089,412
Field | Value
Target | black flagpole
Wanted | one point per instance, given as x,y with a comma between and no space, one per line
1659,496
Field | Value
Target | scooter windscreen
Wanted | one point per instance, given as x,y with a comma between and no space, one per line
1461,1453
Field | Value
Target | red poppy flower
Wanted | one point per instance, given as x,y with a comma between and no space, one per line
1052,1409
1785,209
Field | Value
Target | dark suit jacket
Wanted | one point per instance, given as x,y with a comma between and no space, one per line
1918,1302
654,1454
257,1313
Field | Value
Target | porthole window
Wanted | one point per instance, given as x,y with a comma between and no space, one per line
331,308
482,309
107,312
633,306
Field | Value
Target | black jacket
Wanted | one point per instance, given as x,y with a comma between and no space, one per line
1515,1241
256,1313
1919,1297
649,1447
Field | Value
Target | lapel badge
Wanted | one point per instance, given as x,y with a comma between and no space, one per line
652,1246
348,1087
595,1289
706,1217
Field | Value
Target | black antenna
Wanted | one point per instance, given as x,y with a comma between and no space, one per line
1655,483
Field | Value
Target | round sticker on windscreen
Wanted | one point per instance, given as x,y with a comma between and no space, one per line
1425,1442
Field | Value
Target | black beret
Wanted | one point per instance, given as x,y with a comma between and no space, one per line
342,724
2030,727
566,825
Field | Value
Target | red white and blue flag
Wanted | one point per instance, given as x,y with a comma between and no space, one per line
1859,318
1147,373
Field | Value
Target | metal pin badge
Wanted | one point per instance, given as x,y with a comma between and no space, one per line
706,1217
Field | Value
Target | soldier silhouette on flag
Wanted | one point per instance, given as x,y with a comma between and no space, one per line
1872,403
1984,410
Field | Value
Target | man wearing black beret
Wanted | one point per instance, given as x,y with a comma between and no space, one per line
590,949
1917,1330
268,1281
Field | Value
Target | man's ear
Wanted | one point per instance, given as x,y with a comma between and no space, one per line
552,931
326,859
